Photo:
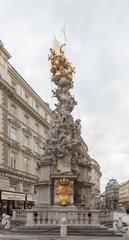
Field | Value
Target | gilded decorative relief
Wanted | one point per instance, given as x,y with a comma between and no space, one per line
64,190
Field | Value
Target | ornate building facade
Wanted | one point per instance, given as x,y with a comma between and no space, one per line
124,195
24,121
112,194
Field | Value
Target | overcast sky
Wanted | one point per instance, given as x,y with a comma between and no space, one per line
98,47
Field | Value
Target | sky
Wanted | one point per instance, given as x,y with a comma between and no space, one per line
98,47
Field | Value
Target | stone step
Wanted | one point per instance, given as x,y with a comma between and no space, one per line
56,227
100,231
96,234
88,227
88,230
56,230
72,230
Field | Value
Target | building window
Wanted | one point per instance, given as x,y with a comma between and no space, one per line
45,133
45,117
13,133
26,141
13,185
13,110
26,165
26,119
13,163
36,147
26,98
36,166
26,187
37,107
14,85
36,127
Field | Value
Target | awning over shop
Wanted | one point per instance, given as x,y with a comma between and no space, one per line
30,198
13,196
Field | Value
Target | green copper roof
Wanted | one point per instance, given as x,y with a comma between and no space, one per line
112,183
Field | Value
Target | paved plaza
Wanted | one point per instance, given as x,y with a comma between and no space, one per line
39,237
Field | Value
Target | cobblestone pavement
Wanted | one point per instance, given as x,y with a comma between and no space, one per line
37,237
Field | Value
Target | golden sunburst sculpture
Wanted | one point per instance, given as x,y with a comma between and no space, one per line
64,190
60,66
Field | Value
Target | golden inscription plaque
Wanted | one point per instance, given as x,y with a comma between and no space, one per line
64,191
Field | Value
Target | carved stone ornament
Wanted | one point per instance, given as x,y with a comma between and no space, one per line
64,137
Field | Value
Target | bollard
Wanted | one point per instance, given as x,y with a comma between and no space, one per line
29,218
3,219
7,222
14,214
120,222
127,232
63,227
115,225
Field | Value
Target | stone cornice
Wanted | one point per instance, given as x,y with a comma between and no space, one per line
38,138
42,183
69,176
27,151
15,122
84,164
86,184
12,94
14,144
44,163
37,156
94,162
96,168
88,156
10,141
84,144
4,51
26,130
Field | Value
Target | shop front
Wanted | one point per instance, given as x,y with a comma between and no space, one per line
14,200
30,199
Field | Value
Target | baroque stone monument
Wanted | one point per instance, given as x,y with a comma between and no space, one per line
59,168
